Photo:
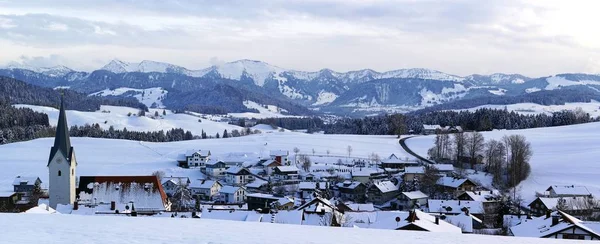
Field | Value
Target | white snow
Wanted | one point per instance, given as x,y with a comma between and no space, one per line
533,89
148,96
117,117
555,82
56,71
593,108
565,155
146,66
59,228
499,92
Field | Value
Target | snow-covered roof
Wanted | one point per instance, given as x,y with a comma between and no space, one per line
256,184
463,221
552,202
392,156
414,170
431,127
278,153
451,181
224,214
312,185
348,184
318,204
385,186
288,169
236,170
212,162
203,184
444,167
542,226
414,195
454,206
176,180
571,190
25,180
482,196
202,153
145,191
387,220
229,189
262,195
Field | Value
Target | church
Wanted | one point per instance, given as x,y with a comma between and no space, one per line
97,194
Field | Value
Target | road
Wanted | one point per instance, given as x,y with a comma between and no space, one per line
405,147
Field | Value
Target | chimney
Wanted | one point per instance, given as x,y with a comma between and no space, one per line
555,219
75,205
437,220
112,205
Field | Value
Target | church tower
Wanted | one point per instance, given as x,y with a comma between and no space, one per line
62,164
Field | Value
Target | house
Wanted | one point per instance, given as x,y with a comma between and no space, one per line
364,175
467,222
413,199
9,201
444,169
170,184
320,212
286,173
308,177
260,201
205,189
145,192
456,207
193,158
393,162
257,186
557,225
568,191
414,220
232,194
381,192
578,206
455,185
238,176
280,156
453,129
491,202
268,165
26,185
308,189
215,168
413,173
352,190
430,129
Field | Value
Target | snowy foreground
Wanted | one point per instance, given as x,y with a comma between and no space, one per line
122,157
565,155
58,228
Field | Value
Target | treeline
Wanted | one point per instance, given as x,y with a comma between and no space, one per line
293,123
18,92
480,120
96,131
20,124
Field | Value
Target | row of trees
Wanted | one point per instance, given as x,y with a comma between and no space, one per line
506,159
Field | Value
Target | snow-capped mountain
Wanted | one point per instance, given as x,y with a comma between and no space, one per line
56,71
224,87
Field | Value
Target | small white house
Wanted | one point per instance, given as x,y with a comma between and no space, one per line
280,156
194,158
215,168
233,194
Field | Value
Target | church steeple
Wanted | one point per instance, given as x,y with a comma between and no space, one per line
62,142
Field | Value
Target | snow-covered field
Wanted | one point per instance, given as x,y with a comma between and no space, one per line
59,228
117,117
122,157
593,108
270,111
149,97
565,155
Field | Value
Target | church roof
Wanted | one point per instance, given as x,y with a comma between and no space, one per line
62,142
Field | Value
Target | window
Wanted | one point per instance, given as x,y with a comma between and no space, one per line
72,171
573,236
59,173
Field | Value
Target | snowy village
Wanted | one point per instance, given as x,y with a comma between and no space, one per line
306,188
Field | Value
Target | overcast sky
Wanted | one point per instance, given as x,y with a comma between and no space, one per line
534,38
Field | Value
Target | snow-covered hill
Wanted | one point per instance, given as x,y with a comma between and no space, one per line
151,97
264,111
592,108
118,118
565,155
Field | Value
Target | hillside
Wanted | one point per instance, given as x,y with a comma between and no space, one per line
564,155
58,228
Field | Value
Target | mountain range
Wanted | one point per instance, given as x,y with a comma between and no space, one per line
224,88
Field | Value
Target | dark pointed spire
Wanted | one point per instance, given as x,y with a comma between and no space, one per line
62,142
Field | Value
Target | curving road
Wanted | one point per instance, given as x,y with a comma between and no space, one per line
405,147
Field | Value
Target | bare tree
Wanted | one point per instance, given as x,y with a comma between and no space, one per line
313,151
305,162
328,152
349,150
459,141
429,180
159,174
475,144
296,151
182,198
